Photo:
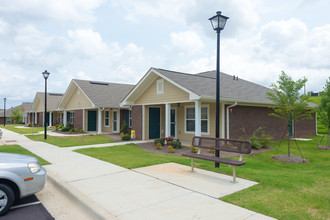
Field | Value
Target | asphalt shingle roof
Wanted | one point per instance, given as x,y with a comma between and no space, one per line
53,99
204,84
104,94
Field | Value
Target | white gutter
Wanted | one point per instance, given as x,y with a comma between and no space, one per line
227,111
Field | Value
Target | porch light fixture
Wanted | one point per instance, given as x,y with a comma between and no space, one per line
46,75
218,24
4,111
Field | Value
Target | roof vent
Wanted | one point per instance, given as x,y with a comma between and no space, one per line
236,78
99,83
233,77
55,94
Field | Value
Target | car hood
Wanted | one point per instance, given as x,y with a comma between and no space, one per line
8,157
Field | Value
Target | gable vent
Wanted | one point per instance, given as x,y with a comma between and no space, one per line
99,83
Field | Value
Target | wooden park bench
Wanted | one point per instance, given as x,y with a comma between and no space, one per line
228,145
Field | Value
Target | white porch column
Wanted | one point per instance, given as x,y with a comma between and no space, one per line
198,118
222,124
50,118
99,118
143,122
65,120
167,120
35,118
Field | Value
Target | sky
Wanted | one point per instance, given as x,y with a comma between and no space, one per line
120,40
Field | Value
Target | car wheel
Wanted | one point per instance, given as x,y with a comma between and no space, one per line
7,198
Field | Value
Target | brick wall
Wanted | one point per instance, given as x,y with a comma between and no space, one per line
78,119
252,118
137,121
40,118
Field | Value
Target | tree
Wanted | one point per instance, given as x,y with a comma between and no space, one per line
290,105
16,116
324,108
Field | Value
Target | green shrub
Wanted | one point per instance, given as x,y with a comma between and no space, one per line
170,149
126,137
260,139
176,144
159,140
75,130
158,146
65,129
81,131
124,128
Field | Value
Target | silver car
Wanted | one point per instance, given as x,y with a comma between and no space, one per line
20,176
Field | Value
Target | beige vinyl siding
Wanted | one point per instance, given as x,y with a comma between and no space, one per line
181,121
38,106
171,94
78,101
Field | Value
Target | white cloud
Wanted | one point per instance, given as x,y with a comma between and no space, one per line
186,43
87,43
61,10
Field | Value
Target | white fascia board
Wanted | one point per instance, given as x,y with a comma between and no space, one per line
64,96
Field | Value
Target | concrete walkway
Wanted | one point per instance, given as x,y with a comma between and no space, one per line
108,191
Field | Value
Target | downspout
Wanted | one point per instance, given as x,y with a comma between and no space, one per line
227,114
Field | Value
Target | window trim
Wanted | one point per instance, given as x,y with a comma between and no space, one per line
208,119
160,82
105,125
71,118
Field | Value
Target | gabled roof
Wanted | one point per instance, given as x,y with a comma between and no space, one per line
26,106
202,86
100,94
53,100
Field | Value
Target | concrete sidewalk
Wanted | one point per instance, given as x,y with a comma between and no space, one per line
167,191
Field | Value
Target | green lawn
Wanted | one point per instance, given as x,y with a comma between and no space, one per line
69,141
27,130
285,191
20,150
321,129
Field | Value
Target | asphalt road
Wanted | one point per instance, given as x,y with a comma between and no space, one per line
29,208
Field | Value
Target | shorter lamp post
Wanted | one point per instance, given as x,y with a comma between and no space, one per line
4,111
218,23
46,75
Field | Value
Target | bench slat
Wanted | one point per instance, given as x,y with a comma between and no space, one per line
215,159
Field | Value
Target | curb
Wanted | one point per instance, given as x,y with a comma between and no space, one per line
79,199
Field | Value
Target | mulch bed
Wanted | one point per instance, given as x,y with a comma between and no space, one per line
324,147
150,147
290,159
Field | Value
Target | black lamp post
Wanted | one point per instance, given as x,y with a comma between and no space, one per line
46,75
218,23
4,111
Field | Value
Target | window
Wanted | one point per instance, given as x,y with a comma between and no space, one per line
190,119
129,118
204,120
106,118
71,117
114,121
59,118
160,86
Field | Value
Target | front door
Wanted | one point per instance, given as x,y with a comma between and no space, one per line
115,121
154,123
91,120
173,123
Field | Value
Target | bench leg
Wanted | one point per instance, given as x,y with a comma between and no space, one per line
192,164
234,174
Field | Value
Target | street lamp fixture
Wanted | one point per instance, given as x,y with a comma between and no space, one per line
46,75
218,23
4,111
